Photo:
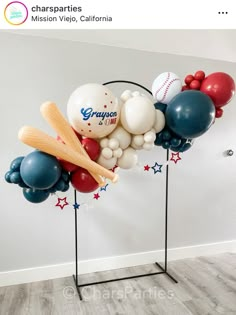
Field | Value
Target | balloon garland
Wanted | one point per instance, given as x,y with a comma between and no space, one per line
104,132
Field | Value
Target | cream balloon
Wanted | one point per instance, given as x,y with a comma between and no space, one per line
148,146
159,121
93,111
118,153
128,159
138,140
107,153
122,136
107,163
113,144
150,137
104,143
137,115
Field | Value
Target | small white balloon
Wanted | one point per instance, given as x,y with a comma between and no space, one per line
150,136
148,146
136,147
137,115
159,121
128,159
136,93
107,153
166,86
104,143
113,144
107,163
126,95
138,140
122,136
118,153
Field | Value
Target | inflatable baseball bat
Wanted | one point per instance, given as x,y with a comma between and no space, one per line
56,120
41,141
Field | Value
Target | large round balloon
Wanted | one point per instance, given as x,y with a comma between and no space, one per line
34,195
40,170
138,115
190,114
82,181
220,87
93,110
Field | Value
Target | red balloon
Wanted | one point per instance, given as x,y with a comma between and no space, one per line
188,79
195,85
67,166
219,113
220,87
185,87
82,181
92,147
199,75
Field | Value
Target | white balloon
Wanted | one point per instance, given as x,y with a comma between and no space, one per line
113,144
117,153
122,136
148,146
93,111
137,115
159,121
166,86
109,164
104,143
128,159
138,140
136,93
107,153
126,95
150,136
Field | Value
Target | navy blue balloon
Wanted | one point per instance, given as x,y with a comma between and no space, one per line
34,195
8,177
161,107
190,114
15,164
185,145
15,177
40,170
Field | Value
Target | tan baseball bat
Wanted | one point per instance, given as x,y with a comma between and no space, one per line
41,141
56,120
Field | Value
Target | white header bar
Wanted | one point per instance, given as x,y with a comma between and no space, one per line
117,14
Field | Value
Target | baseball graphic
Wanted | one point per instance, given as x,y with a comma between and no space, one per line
166,86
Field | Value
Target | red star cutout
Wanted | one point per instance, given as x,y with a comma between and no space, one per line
61,202
146,168
114,168
96,196
175,157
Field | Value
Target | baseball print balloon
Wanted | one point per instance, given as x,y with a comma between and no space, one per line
166,86
93,111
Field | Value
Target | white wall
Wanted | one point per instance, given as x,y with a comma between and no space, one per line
129,217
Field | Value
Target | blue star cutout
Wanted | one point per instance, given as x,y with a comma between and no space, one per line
104,188
76,206
157,168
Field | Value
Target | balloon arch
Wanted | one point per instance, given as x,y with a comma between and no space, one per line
104,132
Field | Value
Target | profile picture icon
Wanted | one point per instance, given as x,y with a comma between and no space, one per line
16,13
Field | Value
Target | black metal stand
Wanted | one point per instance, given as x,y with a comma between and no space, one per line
164,270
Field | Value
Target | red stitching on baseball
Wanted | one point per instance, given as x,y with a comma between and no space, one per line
168,76
167,88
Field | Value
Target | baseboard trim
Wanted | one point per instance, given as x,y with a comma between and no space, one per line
108,263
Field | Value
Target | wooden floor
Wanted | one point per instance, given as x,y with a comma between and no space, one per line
207,285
